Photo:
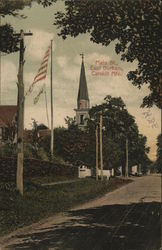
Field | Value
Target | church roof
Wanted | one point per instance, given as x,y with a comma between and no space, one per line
83,90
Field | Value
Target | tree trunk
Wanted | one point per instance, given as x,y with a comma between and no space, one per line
126,162
101,153
96,153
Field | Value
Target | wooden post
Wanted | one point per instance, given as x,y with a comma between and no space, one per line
101,153
0,73
20,113
20,122
160,94
126,162
52,134
97,153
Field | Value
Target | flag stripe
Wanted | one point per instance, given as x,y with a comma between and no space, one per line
41,73
45,61
47,55
43,67
41,78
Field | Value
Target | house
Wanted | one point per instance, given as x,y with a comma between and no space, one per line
8,116
41,133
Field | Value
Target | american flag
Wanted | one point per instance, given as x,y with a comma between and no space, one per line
42,72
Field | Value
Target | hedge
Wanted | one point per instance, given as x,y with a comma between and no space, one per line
34,168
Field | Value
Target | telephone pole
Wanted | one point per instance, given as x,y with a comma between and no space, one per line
20,113
52,134
97,153
126,163
161,162
161,175
0,73
101,152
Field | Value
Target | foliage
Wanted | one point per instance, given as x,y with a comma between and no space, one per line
46,3
70,122
9,42
133,25
117,125
7,150
146,165
159,153
35,168
74,145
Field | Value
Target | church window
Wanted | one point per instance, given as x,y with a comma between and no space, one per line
82,119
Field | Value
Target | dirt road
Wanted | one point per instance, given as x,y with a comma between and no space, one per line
126,219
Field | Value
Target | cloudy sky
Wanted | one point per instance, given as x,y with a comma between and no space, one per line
102,78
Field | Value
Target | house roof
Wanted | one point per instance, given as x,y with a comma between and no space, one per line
83,90
7,114
44,133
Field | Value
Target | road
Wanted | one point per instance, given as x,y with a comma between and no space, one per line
125,219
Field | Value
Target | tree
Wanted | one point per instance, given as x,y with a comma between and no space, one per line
159,153
119,125
74,145
9,41
133,25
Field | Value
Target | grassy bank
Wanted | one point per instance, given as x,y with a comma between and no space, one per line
39,202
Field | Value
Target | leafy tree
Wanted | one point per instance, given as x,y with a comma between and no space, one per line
118,125
70,122
146,165
159,153
133,25
9,41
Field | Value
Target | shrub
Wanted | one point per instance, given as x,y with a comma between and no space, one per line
7,150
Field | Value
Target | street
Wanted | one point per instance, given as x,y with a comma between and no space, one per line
125,219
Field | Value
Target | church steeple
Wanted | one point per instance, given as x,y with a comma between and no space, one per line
83,104
83,98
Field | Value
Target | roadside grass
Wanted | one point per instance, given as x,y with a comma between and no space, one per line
39,202
51,179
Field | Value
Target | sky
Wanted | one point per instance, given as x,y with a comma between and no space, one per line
106,74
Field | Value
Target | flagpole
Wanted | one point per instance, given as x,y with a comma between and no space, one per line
52,134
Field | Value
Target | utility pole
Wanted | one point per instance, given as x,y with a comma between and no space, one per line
161,163
97,153
126,162
20,112
161,176
101,152
52,134
0,73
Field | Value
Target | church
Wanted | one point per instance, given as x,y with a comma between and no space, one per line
83,103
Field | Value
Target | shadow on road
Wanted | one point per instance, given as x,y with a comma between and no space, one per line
110,227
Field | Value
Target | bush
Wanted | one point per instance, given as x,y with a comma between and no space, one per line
28,150
35,152
7,150
35,168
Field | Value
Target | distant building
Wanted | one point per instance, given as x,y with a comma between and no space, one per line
83,103
41,133
8,115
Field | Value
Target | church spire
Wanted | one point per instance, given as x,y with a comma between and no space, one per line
83,105
83,90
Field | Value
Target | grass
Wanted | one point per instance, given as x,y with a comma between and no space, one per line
39,202
49,179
